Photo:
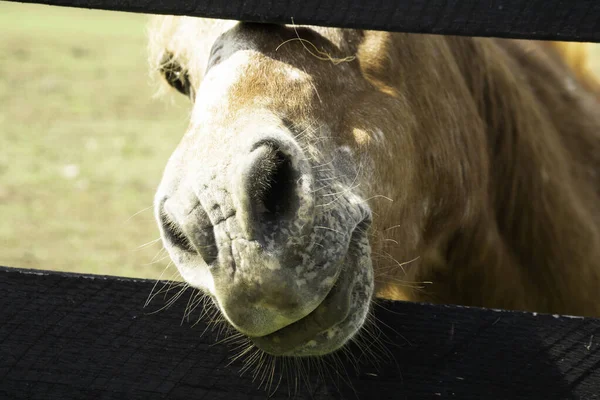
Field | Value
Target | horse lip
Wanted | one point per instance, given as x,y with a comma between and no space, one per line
334,310
291,337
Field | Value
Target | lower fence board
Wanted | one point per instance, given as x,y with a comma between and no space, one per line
66,336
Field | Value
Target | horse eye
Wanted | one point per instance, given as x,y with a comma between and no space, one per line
175,74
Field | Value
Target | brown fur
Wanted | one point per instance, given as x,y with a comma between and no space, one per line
490,158
530,240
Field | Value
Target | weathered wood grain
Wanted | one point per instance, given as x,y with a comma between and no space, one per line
66,336
577,20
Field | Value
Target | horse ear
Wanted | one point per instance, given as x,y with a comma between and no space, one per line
175,74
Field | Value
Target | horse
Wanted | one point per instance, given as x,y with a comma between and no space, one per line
324,168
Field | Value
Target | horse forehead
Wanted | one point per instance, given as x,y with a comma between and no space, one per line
245,76
245,64
254,45
246,69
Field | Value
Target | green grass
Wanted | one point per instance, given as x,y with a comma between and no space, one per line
83,143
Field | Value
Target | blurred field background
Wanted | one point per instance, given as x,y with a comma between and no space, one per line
82,141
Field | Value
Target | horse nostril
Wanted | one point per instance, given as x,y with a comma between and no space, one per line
270,184
273,185
173,234
196,235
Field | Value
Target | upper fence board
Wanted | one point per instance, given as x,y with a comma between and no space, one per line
65,336
569,20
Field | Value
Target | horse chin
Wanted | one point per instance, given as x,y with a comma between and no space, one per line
337,318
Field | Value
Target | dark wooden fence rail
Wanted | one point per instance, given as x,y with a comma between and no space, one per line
577,20
68,336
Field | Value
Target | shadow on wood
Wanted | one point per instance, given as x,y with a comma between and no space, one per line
67,336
